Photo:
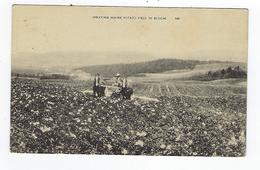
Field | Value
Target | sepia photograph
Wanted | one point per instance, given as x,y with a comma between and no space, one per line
129,80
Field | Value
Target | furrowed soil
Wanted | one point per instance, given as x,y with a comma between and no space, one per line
199,119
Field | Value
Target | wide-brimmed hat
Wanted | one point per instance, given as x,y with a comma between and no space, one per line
117,74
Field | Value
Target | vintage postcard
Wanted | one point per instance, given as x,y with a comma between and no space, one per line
129,80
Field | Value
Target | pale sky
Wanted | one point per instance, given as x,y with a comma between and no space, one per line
43,35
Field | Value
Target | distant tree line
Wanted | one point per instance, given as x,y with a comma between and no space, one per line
29,75
56,76
42,76
235,72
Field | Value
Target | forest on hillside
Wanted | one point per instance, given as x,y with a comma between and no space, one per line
155,66
230,72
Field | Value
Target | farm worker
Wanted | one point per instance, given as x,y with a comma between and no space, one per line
118,80
98,81
124,85
118,83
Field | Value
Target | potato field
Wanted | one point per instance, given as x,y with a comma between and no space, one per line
191,120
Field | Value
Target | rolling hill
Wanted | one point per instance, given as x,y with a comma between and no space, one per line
155,66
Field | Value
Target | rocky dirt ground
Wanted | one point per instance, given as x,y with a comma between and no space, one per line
49,117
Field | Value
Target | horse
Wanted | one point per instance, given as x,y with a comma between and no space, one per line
99,91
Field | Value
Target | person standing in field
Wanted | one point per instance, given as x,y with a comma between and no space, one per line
98,86
124,86
118,82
